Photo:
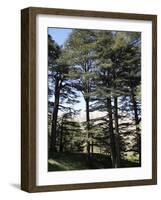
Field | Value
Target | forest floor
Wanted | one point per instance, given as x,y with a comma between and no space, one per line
79,161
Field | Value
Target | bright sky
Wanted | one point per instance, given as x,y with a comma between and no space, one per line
60,35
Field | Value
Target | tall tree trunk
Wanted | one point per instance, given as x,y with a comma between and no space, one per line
92,148
135,108
58,83
61,138
136,122
112,138
87,66
88,120
117,136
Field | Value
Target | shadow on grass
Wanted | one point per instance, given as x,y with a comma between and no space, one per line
79,161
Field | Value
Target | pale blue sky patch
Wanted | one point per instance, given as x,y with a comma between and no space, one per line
59,34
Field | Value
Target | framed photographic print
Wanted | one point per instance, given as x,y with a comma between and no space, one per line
89,99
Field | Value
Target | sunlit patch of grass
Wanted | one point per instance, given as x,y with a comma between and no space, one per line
131,156
59,164
67,161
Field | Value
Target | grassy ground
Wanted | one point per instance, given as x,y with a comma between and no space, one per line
79,161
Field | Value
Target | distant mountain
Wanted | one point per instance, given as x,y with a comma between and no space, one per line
82,116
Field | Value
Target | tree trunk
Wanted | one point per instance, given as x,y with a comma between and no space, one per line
136,123
135,108
117,136
92,148
88,135
58,83
61,139
112,139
